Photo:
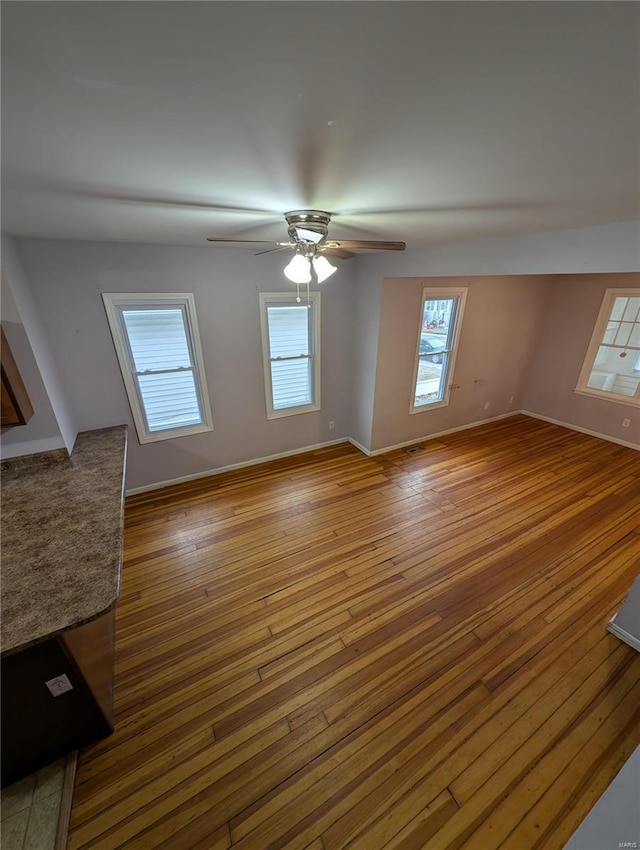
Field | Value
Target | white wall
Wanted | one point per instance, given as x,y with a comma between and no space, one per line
52,425
607,248
365,320
68,279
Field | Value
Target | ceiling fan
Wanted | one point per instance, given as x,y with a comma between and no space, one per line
308,237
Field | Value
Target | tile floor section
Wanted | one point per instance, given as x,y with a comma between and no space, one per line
29,810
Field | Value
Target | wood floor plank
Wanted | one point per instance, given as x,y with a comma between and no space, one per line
331,651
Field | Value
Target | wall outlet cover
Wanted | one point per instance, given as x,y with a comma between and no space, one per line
59,685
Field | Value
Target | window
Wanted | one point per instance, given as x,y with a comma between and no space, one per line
158,348
291,352
440,320
611,368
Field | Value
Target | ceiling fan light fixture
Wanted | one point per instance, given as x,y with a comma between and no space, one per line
298,270
323,268
308,235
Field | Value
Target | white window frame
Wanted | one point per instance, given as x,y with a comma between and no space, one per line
429,294
114,303
286,298
594,344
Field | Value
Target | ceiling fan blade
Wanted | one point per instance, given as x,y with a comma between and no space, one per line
271,250
248,241
340,253
366,244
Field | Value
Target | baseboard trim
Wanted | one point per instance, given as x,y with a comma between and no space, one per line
435,436
372,453
571,427
623,635
219,470
360,448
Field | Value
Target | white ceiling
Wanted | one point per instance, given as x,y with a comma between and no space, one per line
424,121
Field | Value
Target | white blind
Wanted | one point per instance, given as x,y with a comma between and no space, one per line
290,350
163,366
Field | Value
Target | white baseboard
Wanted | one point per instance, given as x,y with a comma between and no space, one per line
219,470
571,427
435,435
625,636
359,447
33,447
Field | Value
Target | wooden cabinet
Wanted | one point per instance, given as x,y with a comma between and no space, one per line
39,726
16,407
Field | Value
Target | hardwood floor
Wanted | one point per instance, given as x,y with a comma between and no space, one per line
407,651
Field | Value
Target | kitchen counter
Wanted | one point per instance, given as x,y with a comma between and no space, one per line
62,522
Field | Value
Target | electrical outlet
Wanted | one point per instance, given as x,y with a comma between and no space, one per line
487,404
59,685
511,400
331,424
626,423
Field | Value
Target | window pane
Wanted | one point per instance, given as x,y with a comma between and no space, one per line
436,316
617,311
624,331
288,331
157,338
430,385
170,400
631,311
291,383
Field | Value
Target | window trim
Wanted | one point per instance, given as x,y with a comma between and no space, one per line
113,303
284,298
430,294
596,341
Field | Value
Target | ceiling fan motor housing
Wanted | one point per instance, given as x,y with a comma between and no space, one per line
315,221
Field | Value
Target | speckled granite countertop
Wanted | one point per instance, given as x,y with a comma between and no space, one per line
62,521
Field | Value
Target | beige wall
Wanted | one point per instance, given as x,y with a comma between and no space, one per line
497,344
565,334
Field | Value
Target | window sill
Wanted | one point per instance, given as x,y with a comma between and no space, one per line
292,411
173,433
432,406
627,401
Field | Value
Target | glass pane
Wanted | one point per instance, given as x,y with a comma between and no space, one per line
170,400
436,317
599,380
631,311
624,331
634,339
288,331
611,331
291,383
157,338
607,359
626,385
617,311
430,384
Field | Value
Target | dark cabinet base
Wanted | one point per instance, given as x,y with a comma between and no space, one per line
37,727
